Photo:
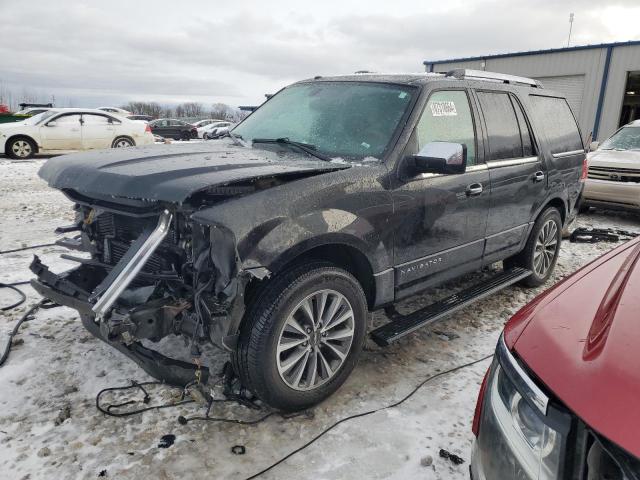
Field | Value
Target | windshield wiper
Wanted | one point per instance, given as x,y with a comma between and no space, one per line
237,139
305,147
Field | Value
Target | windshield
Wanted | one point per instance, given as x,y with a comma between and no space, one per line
40,117
627,138
340,119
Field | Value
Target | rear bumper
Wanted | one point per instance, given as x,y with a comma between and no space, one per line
67,289
614,195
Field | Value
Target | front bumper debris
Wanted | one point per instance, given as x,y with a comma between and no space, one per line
72,289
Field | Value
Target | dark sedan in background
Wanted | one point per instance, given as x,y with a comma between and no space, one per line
562,398
171,128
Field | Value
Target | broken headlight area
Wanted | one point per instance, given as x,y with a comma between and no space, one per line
148,276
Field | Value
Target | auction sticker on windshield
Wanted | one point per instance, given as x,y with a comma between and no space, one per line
443,109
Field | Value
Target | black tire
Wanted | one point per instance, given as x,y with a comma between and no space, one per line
527,257
256,359
21,148
185,136
123,142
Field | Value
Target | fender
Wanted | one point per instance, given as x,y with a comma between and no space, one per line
270,227
267,229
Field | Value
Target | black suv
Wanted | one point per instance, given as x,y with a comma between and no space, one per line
338,196
171,128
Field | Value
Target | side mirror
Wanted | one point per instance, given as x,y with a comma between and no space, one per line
52,123
441,157
593,146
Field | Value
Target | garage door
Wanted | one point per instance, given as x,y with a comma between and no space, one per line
572,86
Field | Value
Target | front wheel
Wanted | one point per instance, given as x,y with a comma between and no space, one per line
21,148
302,336
541,251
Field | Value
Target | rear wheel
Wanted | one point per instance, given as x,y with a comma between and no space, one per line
21,148
541,251
122,142
302,336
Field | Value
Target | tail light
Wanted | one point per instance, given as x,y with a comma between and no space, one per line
147,128
585,170
475,426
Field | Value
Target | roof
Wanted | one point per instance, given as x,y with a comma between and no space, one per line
403,78
534,52
78,110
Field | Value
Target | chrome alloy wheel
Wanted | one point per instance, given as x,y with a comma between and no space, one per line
546,247
21,148
315,340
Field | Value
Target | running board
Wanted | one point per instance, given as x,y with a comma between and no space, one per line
402,325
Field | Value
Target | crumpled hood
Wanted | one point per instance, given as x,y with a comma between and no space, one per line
172,173
614,159
583,342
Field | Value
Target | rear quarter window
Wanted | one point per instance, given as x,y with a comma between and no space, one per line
553,116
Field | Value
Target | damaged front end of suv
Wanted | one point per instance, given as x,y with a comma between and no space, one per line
147,268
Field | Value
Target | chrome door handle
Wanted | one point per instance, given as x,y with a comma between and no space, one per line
474,189
538,176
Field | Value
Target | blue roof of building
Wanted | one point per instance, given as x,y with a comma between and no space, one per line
533,52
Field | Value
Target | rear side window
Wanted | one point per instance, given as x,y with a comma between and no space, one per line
89,119
502,125
554,117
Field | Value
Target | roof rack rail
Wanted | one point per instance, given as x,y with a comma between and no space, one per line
467,74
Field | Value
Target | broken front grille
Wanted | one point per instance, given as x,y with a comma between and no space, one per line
115,233
615,174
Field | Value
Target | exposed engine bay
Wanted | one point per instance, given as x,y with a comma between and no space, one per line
150,275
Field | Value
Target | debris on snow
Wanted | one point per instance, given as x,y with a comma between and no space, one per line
451,456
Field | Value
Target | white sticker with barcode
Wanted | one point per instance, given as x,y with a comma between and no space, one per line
443,109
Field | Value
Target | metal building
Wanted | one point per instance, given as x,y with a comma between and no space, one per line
601,82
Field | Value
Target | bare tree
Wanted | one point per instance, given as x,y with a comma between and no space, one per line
152,109
192,109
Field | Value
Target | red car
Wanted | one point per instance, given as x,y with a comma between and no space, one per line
562,397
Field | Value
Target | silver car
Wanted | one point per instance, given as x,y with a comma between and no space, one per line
613,181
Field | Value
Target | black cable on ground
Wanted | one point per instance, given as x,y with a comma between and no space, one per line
146,399
28,315
183,421
30,247
111,410
23,297
369,412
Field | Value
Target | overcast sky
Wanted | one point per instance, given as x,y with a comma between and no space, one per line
110,52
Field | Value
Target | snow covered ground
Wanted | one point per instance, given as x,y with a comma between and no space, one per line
57,368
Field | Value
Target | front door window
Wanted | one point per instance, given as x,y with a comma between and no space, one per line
447,118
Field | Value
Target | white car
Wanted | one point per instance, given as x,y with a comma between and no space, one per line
208,130
204,123
120,112
69,129
613,181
